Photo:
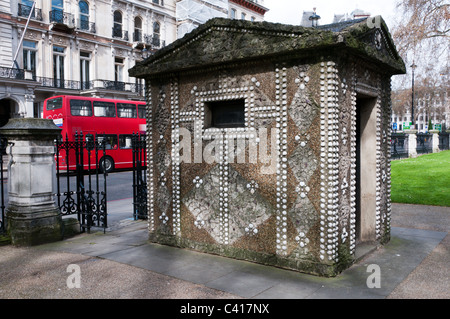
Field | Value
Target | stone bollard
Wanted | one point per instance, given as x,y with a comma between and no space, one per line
32,215
435,140
412,143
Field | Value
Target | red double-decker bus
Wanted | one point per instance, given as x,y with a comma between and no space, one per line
109,120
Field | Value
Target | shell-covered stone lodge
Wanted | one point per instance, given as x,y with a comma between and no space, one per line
271,143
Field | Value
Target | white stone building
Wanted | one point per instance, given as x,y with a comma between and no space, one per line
430,106
191,13
85,47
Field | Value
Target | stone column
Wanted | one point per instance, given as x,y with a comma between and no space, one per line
32,215
435,140
412,143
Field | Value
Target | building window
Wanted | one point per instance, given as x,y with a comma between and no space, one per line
104,109
80,108
225,114
84,15
137,37
109,140
85,58
58,66
29,57
57,13
233,14
117,28
25,8
126,110
156,41
253,19
118,71
243,15
125,141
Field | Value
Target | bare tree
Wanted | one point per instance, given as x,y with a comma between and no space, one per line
422,36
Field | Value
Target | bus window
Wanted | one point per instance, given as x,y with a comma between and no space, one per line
141,111
104,109
126,110
110,140
54,104
80,108
89,138
125,141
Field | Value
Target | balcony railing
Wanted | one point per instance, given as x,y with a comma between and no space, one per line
87,26
118,86
10,73
20,74
24,11
61,17
137,36
58,83
119,33
154,41
91,85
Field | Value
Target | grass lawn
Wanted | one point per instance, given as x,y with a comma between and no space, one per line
423,180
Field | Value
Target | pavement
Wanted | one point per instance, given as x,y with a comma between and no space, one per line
121,264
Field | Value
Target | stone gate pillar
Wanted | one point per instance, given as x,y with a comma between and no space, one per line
412,143
435,140
32,215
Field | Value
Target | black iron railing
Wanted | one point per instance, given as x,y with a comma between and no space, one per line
137,36
399,146
61,17
139,151
424,143
118,86
86,26
12,73
117,32
444,141
58,83
154,41
81,180
24,11
19,74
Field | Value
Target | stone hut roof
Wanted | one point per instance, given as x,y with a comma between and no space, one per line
223,41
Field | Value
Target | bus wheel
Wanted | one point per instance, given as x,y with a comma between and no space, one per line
106,164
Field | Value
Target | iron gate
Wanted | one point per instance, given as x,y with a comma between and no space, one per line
444,141
424,143
84,192
138,145
399,146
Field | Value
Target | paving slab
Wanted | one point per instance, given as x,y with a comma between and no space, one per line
396,260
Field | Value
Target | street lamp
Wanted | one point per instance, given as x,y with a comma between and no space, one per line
413,66
145,52
315,18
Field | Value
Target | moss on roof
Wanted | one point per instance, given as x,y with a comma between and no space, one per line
220,41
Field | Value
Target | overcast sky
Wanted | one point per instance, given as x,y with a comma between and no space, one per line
291,11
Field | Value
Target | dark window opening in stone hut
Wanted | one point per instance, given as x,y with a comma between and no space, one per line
225,114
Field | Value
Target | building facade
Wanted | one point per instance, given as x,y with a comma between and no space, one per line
431,109
192,13
85,47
